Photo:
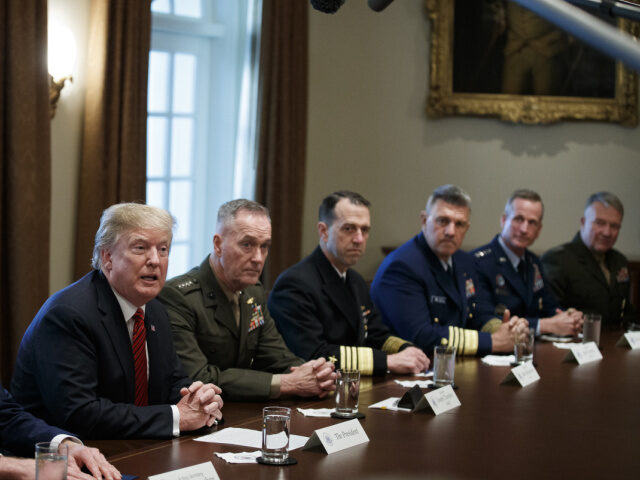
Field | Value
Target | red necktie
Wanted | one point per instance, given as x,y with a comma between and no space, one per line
140,358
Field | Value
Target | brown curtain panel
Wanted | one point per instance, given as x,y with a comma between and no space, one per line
283,128
25,171
113,165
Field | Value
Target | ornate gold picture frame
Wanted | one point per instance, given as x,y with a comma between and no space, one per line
469,75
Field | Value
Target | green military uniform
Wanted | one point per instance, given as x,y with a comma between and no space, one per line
578,281
240,360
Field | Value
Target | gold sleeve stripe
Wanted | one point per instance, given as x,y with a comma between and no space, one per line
465,341
392,344
356,358
365,360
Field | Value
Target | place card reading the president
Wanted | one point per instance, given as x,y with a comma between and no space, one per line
584,353
525,374
202,471
338,437
630,339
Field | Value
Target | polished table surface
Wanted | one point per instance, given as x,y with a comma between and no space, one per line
577,421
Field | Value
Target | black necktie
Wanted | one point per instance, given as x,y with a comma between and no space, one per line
522,271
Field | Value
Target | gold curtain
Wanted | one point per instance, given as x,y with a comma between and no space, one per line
283,127
25,171
113,165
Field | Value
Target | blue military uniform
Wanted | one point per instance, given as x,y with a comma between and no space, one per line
423,303
501,286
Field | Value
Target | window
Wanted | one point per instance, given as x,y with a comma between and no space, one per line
201,115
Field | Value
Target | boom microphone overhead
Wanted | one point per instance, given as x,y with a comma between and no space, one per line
327,6
379,5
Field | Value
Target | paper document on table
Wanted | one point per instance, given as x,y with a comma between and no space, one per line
424,374
498,360
556,338
566,346
240,457
202,471
247,438
316,412
390,403
411,383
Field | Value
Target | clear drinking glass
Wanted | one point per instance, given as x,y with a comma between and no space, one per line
591,328
51,461
444,365
523,345
276,423
347,392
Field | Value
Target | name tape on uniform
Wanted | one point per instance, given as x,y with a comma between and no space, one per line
338,437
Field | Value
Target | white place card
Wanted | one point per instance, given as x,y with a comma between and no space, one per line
630,339
338,437
584,353
441,400
525,374
202,471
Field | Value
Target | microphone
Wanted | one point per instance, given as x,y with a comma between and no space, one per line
327,6
379,5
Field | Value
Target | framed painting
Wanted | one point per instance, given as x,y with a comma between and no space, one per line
494,58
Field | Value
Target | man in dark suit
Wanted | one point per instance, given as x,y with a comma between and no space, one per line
20,431
426,289
221,325
322,306
98,358
588,272
511,276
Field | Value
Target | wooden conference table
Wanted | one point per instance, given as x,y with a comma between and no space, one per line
577,421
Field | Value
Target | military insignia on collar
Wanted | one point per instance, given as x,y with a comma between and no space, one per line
500,280
257,318
538,283
622,275
502,259
469,287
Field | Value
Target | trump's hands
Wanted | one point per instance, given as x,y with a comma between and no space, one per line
80,456
200,405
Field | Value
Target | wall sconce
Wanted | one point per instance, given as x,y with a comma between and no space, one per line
62,58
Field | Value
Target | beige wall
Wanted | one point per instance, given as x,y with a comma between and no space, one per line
368,132
66,135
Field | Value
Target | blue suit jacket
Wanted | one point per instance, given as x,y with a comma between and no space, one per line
501,285
419,300
75,365
19,430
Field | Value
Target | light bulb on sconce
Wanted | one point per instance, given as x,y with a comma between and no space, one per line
62,58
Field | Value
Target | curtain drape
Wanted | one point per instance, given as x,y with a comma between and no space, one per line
283,128
25,171
113,165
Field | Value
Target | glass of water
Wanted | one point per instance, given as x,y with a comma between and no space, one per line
523,345
347,392
444,365
591,328
51,461
276,423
